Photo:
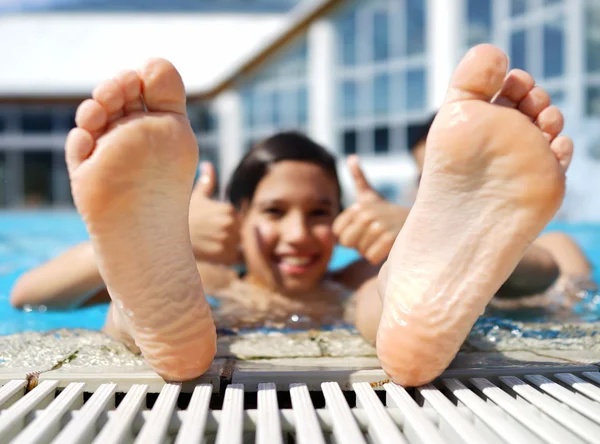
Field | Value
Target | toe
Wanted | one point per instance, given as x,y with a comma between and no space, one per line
535,102
479,75
78,147
110,95
162,87
131,85
551,122
562,147
91,116
517,85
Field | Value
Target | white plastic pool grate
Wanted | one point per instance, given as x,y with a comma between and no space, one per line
557,408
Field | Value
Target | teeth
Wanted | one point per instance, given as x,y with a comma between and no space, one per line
294,260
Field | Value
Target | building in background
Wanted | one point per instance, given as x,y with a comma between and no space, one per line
354,75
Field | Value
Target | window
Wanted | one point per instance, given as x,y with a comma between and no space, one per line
2,124
381,94
415,26
3,179
381,38
552,2
248,105
36,122
554,48
302,106
557,98
37,178
415,89
592,35
518,7
349,144
349,96
593,101
382,140
347,35
479,17
517,50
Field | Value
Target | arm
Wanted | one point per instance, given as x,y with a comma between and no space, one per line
550,257
69,279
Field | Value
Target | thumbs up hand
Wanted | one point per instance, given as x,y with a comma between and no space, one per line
371,224
214,225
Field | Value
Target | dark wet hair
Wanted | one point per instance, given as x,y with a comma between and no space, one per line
418,133
282,146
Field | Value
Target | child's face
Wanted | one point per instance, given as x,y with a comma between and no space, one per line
287,234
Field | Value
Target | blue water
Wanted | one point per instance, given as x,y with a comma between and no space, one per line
28,239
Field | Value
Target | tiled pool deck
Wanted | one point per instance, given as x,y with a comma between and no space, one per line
307,357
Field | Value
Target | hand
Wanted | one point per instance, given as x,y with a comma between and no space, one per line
371,224
214,226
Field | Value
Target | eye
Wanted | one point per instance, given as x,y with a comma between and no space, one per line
274,212
320,212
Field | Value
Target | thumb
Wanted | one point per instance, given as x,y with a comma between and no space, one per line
208,179
362,185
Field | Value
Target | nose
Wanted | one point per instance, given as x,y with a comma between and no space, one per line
295,228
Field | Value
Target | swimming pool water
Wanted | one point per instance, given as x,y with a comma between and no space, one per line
27,239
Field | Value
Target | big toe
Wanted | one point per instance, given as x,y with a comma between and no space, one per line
479,75
162,87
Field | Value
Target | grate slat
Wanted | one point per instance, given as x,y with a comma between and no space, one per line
578,424
308,430
232,420
82,428
382,429
45,427
488,414
417,427
194,423
10,389
12,420
593,376
345,428
120,426
577,402
525,413
451,416
155,427
588,389
268,427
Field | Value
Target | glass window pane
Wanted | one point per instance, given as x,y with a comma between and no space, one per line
2,124
479,14
382,140
349,95
552,2
249,112
381,94
347,37
517,50
37,178
557,98
36,122
592,31
276,117
380,36
415,89
3,179
593,101
518,7
302,106
349,142
263,108
415,26
398,88
554,48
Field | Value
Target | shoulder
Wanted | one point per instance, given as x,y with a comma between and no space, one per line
216,277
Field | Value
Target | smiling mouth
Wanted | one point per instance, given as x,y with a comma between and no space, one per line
295,265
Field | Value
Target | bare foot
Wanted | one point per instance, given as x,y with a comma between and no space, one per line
494,176
132,171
